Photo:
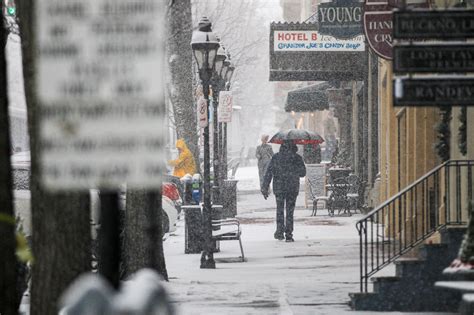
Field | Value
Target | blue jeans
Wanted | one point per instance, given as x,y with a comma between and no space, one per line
283,225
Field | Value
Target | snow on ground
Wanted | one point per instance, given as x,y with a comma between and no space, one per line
313,275
248,180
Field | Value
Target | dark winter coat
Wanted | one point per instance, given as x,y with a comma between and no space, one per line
285,168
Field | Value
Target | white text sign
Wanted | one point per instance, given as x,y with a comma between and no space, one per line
99,84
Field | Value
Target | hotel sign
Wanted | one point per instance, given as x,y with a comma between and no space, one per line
427,24
448,91
299,52
341,18
314,41
440,58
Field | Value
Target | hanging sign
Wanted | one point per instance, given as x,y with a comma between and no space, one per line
202,112
341,19
99,87
224,111
430,24
435,58
378,28
314,41
439,91
378,24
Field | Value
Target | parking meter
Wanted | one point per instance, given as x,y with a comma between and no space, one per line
196,188
188,192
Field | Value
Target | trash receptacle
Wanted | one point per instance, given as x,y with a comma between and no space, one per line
192,229
229,198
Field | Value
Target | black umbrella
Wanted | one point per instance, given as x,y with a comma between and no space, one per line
298,136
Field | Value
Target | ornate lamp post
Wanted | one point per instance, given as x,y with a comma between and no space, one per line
217,86
227,77
205,45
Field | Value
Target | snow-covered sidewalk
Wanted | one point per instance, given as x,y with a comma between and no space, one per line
313,275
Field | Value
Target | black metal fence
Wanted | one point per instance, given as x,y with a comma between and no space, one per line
401,223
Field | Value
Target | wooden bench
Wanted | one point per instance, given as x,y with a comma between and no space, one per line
227,230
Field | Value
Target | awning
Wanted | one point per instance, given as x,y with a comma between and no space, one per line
308,99
289,61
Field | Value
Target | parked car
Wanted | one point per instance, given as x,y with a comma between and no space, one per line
171,191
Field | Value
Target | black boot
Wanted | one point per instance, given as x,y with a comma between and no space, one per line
278,236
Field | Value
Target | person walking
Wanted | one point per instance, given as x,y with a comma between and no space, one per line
285,168
184,164
264,154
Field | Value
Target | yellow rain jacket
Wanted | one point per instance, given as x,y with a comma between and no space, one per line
184,164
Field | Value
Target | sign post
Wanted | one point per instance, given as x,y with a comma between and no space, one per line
100,93
449,56
101,106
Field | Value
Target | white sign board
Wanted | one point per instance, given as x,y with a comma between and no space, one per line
224,111
99,85
202,112
314,41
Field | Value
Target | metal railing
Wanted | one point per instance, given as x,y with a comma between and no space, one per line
404,221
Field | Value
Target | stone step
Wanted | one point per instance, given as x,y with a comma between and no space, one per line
453,235
406,295
367,301
433,251
410,267
381,283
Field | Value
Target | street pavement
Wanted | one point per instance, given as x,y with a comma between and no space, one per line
313,275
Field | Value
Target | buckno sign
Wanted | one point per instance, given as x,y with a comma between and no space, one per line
99,77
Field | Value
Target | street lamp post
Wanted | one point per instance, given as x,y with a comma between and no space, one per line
217,86
205,45
227,77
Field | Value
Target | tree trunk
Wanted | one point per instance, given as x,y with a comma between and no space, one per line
143,233
181,72
8,288
60,221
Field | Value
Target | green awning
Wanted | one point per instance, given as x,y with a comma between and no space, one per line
308,99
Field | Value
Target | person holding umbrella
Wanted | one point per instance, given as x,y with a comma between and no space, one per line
285,168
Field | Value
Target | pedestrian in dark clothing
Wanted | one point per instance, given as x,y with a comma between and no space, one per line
285,168
263,154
